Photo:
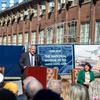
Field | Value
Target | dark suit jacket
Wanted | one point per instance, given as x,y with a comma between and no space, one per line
22,97
25,60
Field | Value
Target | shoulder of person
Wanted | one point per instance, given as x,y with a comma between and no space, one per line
91,71
82,71
25,54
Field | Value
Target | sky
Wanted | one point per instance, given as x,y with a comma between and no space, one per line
7,2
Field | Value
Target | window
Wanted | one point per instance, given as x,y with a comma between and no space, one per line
84,35
51,6
61,4
20,39
97,34
60,34
26,14
72,37
84,1
21,16
49,35
35,10
73,2
33,37
4,39
26,39
87,0
41,37
14,39
42,8
9,39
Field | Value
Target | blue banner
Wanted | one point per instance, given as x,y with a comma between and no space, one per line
9,58
60,56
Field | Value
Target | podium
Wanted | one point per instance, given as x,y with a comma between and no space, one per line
38,72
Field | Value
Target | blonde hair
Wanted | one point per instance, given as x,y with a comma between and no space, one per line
65,89
12,87
79,92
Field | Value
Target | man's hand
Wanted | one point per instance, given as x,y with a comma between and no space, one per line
25,67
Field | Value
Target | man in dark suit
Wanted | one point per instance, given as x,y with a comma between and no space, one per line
30,58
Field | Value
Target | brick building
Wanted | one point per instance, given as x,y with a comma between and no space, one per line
51,22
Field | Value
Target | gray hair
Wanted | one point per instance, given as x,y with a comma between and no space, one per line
33,87
55,85
79,92
27,80
94,90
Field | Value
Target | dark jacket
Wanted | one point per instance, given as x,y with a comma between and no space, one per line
25,60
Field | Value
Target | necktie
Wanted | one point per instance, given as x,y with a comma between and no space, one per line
31,60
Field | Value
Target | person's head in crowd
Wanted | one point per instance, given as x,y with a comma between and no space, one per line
32,49
87,67
12,87
33,87
1,79
46,94
5,94
27,80
66,85
94,90
55,85
79,92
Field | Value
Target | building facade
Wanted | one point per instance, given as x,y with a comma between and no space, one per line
51,22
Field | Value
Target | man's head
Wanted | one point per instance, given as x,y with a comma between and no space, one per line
32,49
33,87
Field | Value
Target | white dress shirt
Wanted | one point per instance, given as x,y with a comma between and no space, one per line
32,59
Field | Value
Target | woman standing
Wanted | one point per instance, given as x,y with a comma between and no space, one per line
86,75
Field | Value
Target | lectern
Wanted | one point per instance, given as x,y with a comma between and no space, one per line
39,73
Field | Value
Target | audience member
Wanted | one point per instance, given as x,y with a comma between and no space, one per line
22,97
12,87
94,90
1,80
32,88
46,94
86,75
7,95
79,92
55,85
27,80
65,84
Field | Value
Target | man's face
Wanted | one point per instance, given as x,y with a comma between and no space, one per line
32,49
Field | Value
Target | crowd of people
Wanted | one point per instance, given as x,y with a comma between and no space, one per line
86,87
61,89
